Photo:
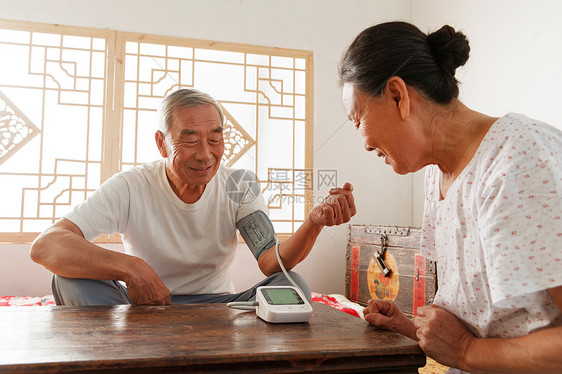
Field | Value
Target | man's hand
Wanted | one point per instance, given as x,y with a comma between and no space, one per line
336,209
145,287
443,336
386,314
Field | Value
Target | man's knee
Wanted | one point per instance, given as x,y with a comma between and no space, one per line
71,291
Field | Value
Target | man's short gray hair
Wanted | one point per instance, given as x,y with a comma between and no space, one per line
184,98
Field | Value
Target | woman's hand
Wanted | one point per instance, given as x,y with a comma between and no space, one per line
387,315
443,336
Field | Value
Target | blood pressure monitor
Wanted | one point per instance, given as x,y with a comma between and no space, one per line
282,304
275,304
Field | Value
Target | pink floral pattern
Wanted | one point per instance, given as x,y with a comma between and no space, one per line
497,235
26,301
339,302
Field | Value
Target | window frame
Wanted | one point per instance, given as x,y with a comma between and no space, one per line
112,127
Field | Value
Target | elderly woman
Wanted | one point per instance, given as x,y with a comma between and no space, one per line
492,211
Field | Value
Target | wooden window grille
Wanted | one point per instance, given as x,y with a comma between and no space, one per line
79,104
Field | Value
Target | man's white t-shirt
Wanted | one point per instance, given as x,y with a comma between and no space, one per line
190,246
497,236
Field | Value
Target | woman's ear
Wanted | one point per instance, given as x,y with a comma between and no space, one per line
398,92
161,143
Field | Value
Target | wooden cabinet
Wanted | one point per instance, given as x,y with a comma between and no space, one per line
410,281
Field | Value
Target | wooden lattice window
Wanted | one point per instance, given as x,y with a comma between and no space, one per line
78,105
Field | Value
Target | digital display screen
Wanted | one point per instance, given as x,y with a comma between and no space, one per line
282,296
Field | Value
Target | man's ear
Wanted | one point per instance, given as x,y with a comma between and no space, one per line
161,143
398,92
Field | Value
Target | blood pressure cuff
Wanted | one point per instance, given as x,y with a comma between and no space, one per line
257,231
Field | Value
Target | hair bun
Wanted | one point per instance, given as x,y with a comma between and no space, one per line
449,47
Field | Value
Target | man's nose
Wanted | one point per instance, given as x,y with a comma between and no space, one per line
203,150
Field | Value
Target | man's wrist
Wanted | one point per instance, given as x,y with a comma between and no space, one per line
131,269
313,225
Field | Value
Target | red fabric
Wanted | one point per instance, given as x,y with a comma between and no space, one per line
48,300
330,301
26,301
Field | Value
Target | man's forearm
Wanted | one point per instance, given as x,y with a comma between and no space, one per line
539,352
338,208
299,245
63,250
67,254
293,250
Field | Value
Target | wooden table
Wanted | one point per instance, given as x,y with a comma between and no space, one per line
195,338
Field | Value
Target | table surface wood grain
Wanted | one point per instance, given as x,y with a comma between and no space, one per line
195,338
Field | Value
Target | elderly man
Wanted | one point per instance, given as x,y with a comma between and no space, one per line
177,223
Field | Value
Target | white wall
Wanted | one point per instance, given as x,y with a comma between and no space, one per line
19,276
515,62
325,27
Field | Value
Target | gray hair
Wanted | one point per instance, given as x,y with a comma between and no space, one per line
184,98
